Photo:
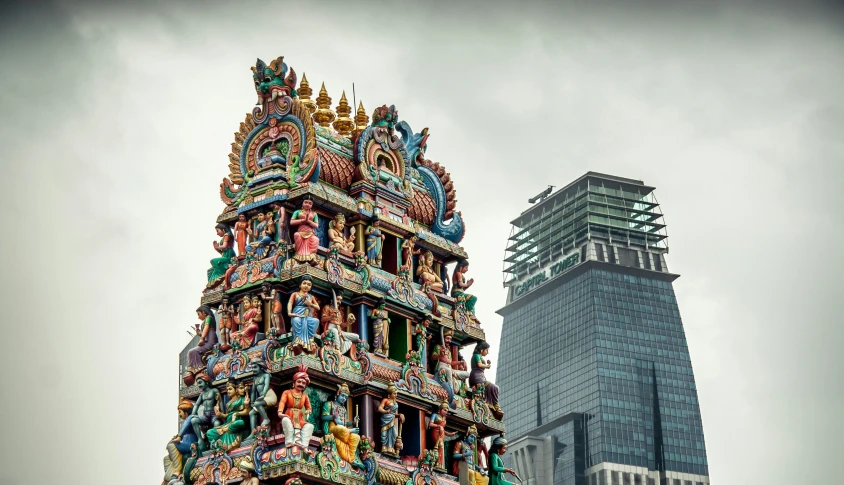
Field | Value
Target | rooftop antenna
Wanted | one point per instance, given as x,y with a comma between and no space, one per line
542,195
354,101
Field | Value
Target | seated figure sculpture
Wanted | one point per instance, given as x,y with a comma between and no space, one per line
334,325
337,238
179,446
294,407
230,433
334,422
203,414
466,452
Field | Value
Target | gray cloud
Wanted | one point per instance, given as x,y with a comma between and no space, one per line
117,122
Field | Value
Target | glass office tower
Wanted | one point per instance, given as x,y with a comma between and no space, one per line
594,369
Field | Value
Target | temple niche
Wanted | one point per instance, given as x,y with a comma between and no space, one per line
330,326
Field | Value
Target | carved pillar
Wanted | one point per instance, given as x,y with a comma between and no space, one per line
367,417
363,323
359,239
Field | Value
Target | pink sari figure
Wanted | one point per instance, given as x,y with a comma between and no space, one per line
249,324
305,239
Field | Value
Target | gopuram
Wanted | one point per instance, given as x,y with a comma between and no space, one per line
330,328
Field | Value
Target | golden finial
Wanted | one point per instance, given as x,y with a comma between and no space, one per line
361,119
324,116
305,92
344,124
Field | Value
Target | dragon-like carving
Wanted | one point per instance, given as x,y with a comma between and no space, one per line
273,81
444,200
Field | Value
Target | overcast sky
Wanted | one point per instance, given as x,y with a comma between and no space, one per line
117,123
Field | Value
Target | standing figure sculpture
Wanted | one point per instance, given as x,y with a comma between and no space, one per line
250,324
336,236
335,422
460,285
496,463
380,328
230,433
466,452
422,335
427,276
179,446
240,232
276,308
439,434
374,243
408,250
302,308
203,414
391,421
334,325
224,247
477,376
261,396
305,239
446,374
294,407
226,313
207,337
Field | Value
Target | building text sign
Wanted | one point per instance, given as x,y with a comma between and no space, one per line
555,269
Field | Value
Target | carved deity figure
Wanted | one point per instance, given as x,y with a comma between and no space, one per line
294,407
496,463
262,234
224,247
306,221
436,425
248,470
333,323
466,452
179,446
250,323
427,276
460,285
449,372
391,422
230,433
207,337
337,237
226,313
262,395
374,243
408,250
335,422
380,327
477,376
422,335
203,414
276,310
302,308
240,232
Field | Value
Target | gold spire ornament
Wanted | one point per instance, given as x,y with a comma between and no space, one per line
305,93
344,124
324,116
361,119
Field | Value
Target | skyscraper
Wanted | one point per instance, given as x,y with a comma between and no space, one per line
594,368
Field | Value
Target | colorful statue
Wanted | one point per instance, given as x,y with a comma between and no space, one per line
230,433
477,376
391,421
422,335
333,323
224,247
446,374
250,324
374,243
496,463
241,229
408,250
465,451
226,313
335,235
203,414
248,470
272,81
207,337
380,328
262,395
460,285
276,309
305,239
262,234
334,421
427,276
179,445
302,307
294,407
439,434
